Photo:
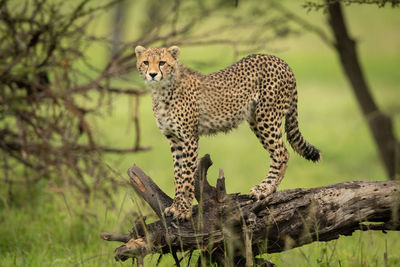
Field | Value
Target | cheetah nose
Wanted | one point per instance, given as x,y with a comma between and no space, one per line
153,74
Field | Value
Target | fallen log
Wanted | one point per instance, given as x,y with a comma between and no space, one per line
232,224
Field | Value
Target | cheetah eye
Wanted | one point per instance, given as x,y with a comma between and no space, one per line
162,63
146,62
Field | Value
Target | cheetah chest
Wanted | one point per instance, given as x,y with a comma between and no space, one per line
164,118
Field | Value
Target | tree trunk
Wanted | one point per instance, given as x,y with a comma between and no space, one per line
231,229
379,123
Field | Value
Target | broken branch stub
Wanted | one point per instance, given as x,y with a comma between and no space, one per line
148,190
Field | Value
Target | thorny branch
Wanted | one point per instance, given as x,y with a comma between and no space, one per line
45,125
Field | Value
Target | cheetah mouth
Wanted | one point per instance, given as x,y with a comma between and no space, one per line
153,80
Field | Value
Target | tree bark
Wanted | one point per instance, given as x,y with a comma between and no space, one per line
236,226
380,124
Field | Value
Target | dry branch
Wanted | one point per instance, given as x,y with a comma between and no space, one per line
290,219
50,94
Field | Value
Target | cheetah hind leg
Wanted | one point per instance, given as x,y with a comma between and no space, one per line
270,136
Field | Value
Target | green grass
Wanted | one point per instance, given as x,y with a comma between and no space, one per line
43,230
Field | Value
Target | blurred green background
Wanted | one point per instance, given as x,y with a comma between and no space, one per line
44,231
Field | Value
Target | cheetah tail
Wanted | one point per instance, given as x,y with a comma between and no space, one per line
296,140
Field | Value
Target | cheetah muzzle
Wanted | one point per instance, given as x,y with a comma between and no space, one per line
187,104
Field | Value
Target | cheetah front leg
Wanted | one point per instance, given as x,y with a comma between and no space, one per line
185,161
176,150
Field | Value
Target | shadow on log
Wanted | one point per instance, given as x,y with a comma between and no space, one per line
230,229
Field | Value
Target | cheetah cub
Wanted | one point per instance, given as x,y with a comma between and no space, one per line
187,104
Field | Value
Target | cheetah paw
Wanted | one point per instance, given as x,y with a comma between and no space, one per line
261,192
179,214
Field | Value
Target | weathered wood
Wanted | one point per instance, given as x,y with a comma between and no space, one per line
148,190
202,188
220,187
115,237
291,218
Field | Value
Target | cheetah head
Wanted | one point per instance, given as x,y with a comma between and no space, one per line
157,65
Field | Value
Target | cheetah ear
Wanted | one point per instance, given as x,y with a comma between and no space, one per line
174,51
139,50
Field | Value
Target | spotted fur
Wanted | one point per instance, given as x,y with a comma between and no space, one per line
187,104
